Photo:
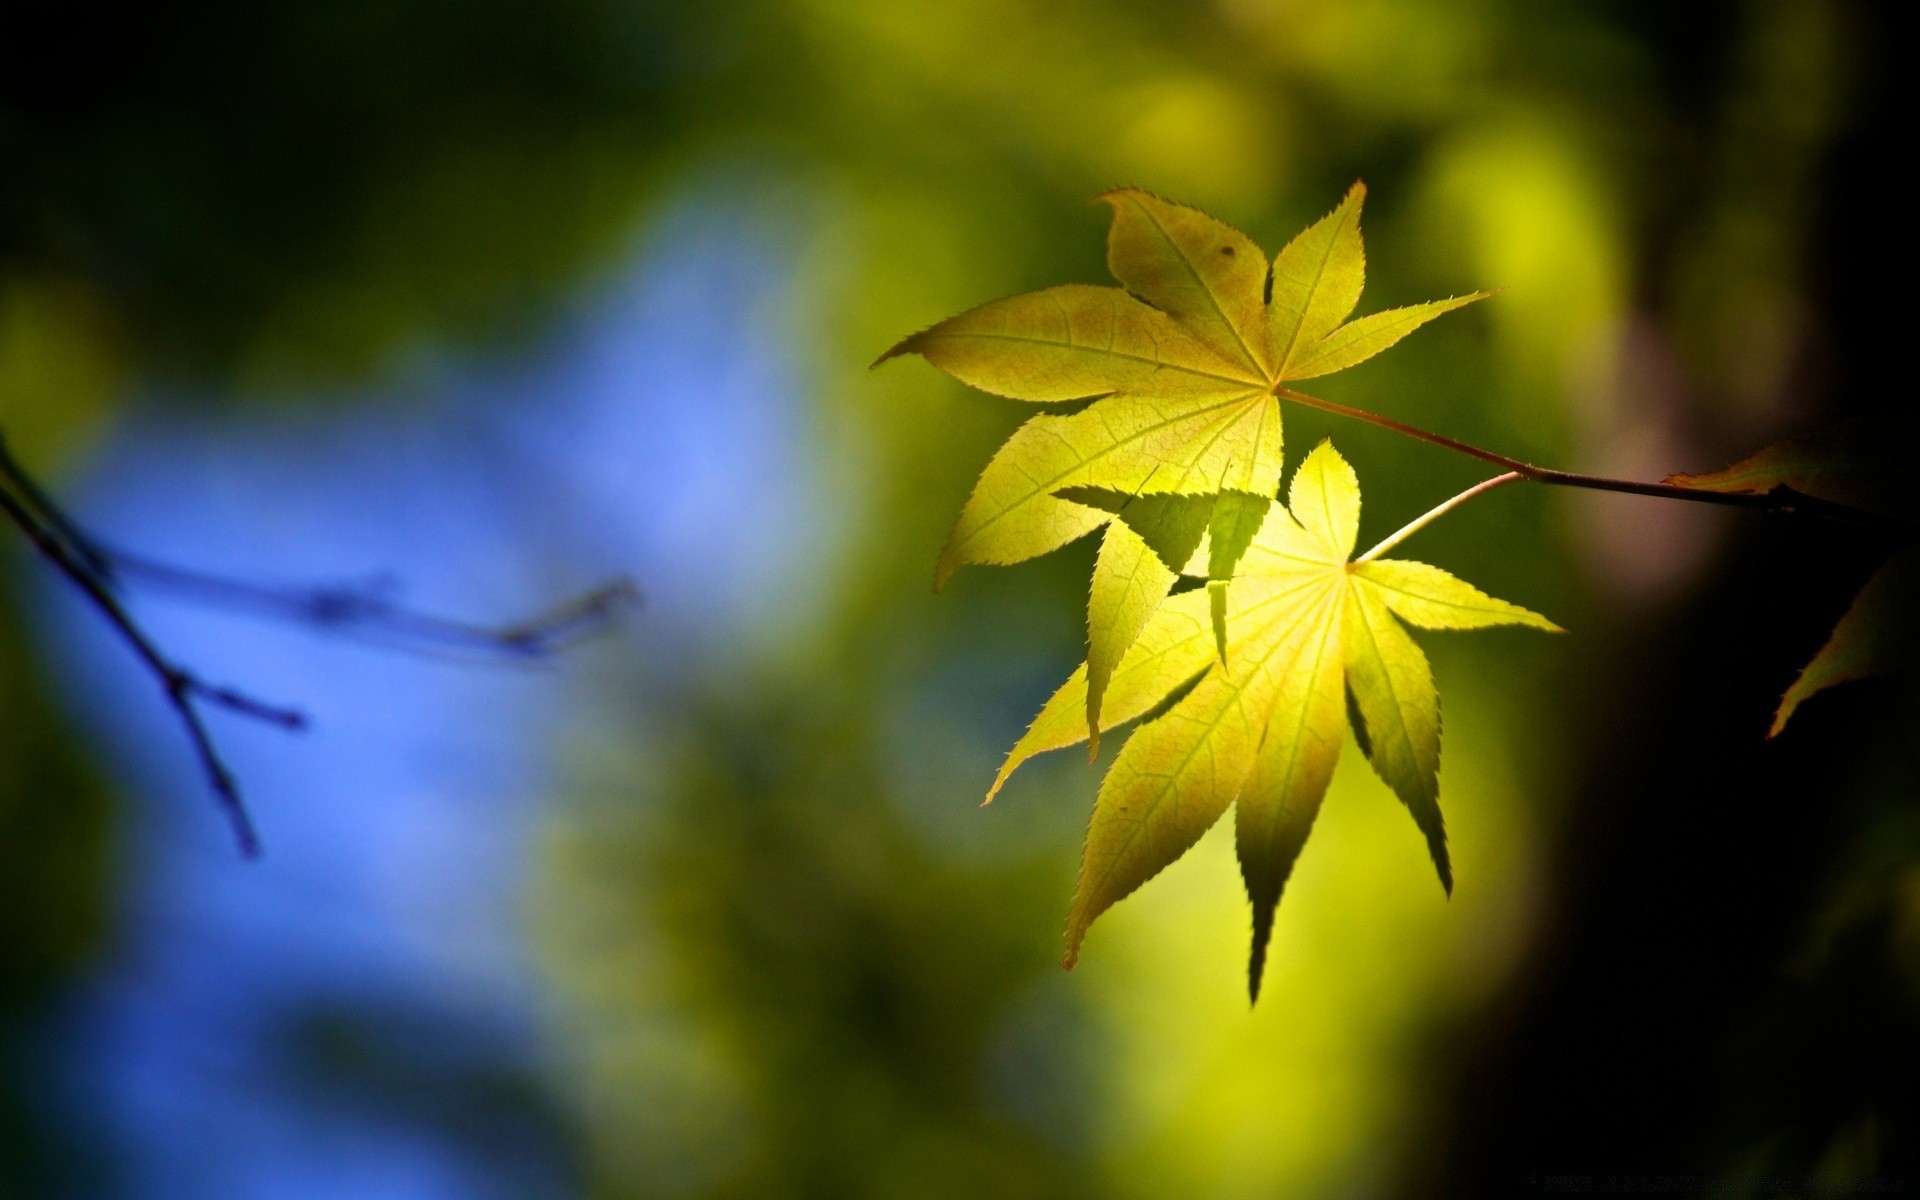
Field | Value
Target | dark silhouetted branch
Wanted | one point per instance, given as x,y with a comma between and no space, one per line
58,542
364,613
99,573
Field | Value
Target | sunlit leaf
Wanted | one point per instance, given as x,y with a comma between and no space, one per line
1429,598
1126,444
1357,341
1179,772
1174,526
1182,442
1294,765
1171,651
1178,528
1393,689
1317,280
1235,519
1200,271
1129,582
1307,627
1183,365
1072,342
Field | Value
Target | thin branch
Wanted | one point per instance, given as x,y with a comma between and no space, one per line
178,685
98,573
12,473
363,612
1779,499
1434,514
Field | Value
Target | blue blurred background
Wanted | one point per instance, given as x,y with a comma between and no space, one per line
477,305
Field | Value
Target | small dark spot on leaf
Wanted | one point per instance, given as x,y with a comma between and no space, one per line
1227,250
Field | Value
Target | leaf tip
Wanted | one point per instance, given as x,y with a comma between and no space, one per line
1127,191
1217,609
1543,624
905,346
1079,919
1442,857
1257,954
1005,773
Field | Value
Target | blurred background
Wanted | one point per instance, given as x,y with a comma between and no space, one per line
478,304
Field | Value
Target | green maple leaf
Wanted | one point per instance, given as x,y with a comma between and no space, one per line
1183,365
1310,627
1858,466
1157,539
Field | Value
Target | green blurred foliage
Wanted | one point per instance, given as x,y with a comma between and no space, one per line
266,194
788,957
56,873
815,1007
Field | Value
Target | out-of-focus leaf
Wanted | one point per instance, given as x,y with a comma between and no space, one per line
1875,637
1857,465
1263,726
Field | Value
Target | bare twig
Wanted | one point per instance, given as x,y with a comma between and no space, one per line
363,612
13,475
98,573
179,686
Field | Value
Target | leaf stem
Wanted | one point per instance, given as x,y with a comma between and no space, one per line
1779,499
1434,514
